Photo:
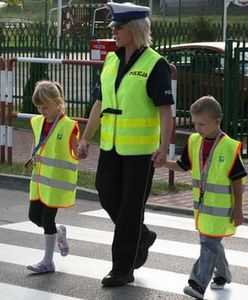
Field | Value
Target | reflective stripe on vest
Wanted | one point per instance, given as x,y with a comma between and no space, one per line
56,163
137,129
213,188
54,175
213,217
53,183
214,211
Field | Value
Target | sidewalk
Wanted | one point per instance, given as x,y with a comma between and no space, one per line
177,202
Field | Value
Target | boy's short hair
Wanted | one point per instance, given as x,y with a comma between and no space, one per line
207,105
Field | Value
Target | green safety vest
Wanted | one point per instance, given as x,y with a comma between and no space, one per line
213,218
137,129
54,175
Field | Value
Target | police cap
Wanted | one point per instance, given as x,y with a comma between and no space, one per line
125,12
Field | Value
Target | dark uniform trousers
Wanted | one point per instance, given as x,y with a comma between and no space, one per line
123,184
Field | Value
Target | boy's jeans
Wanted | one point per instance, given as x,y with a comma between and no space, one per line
212,260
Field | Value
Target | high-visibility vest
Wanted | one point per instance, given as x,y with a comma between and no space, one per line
137,129
54,175
213,217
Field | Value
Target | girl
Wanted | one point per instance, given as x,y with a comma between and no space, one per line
54,176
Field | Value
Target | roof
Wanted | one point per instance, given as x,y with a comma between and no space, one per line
217,46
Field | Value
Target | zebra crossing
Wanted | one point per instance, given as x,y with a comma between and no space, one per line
157,282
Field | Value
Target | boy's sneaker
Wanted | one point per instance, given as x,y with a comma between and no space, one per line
218,283
194,290
62,240
42,268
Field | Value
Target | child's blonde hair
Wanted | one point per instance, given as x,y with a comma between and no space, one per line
207,105
47,92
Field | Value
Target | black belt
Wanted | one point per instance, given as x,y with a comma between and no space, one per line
111,111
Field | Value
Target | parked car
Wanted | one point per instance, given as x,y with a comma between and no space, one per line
200,70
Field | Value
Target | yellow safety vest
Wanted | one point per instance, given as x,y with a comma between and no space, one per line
54,175
212,218
136,130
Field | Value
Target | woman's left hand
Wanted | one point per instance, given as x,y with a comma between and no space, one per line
159,158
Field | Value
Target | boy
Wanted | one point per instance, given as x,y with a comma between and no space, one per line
218,178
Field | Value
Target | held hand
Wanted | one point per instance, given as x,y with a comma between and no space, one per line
83,149
159,158
237,216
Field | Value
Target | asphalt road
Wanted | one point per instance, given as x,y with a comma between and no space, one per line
90,232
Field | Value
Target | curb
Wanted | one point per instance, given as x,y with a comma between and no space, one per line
179,210
22,183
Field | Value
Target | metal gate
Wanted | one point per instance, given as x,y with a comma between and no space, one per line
235,121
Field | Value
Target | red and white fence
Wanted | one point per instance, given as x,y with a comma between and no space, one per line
2,109
172,148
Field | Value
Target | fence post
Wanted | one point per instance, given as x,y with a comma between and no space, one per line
228,82
9,99
2,109
172,148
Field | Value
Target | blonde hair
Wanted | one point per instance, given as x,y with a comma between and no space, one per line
47,92
207,105
141,31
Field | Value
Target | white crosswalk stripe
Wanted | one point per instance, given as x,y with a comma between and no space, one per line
10,292
167,221
95,268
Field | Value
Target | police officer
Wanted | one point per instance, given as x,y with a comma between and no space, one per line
134,110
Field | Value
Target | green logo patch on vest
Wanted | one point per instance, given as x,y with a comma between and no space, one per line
59,136
221,158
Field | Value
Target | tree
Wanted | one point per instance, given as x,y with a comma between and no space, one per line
37,72
15,2
202,30
20,3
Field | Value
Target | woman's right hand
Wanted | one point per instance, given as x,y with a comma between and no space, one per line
83,149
